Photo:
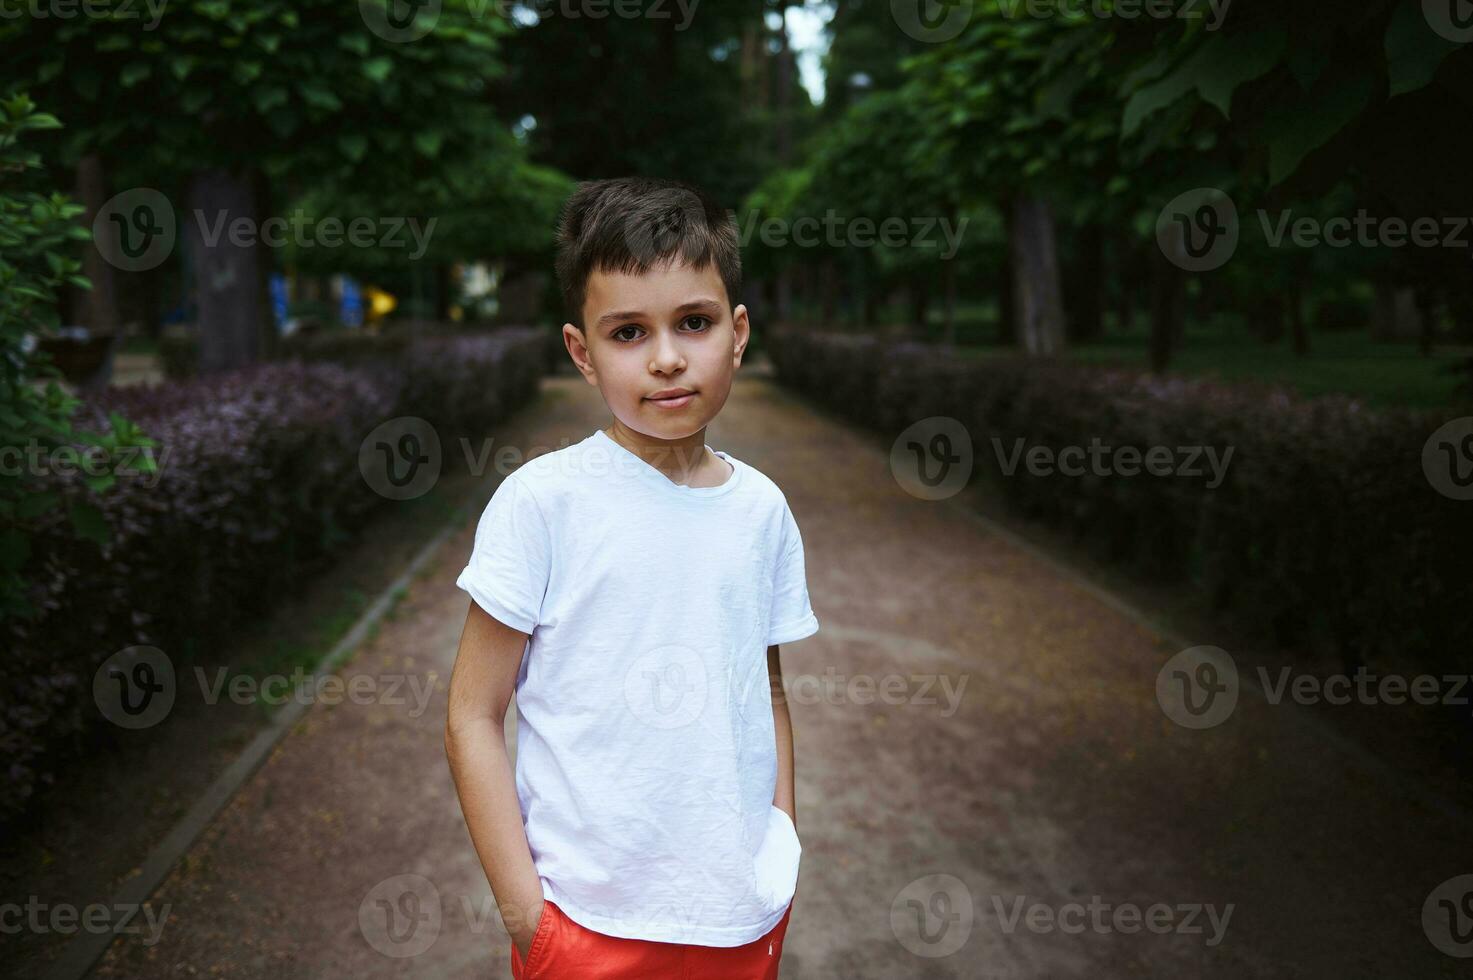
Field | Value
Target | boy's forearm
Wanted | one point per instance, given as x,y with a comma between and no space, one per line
484,780
785,797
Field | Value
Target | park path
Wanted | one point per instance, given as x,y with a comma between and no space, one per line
977,734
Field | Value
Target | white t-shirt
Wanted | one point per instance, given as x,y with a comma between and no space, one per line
646,755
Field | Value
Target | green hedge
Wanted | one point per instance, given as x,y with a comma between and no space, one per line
1324,532
258,485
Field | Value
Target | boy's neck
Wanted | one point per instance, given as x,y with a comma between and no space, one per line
683,461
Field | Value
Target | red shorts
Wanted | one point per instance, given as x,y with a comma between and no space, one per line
563,950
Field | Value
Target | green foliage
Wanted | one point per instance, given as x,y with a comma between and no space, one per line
38,232
294,87
480,209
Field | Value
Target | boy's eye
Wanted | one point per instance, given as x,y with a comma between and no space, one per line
703,323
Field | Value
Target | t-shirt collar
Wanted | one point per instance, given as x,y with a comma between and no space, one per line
653,476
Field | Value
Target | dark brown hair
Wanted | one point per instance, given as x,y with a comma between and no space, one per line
631,224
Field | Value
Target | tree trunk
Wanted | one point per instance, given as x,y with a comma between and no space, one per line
97,308
1007,307
1124,272
830,293
1168,306
1086,317
870,314
1427,311
228,274
1039,307
1297,321
948,299
443,289
920,304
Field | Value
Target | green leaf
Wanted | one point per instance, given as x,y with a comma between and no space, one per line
356,42
1414,51
1215,70
319,97
15,548
269,97
1299,130
195,99
353,145
33,505
88,522
428,143
134,73
378,69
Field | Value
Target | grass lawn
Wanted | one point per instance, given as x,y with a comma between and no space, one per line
1388,375
1346,363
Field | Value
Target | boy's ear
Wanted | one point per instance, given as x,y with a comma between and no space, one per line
743,330
577,345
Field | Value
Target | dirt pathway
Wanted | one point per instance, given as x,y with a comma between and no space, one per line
987,785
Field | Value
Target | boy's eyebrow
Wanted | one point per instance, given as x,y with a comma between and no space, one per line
708,305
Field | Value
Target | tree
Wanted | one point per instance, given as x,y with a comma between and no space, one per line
226,99
39,239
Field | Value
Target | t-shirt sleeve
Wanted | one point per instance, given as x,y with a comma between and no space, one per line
792,616
512,557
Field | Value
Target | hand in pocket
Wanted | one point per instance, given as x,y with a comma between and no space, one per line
528,930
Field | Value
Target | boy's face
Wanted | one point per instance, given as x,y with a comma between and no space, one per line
669,328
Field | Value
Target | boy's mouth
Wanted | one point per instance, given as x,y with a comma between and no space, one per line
671,397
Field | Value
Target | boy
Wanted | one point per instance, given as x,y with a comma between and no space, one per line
627,587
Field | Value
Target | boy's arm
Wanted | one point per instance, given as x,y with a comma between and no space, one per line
784,799
481,687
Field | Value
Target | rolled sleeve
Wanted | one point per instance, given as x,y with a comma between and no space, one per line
792,616
509,565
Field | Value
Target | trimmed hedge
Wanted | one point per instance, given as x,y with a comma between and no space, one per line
1324,532
258,485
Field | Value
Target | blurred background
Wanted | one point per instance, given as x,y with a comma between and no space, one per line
1116,356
